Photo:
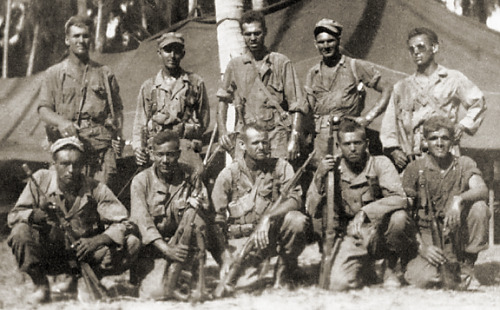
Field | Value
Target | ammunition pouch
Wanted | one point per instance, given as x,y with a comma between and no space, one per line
236,231
97,136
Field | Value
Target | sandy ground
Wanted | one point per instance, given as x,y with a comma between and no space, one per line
485,293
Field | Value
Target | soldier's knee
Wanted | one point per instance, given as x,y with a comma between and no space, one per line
340,284
398,221
295,222
133,245
20,234
479,211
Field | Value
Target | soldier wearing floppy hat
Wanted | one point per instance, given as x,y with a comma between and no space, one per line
174,100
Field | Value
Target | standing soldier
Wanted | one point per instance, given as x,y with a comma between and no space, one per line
173,100
80,97
335,86
163,199
431,90
242,196
370,218
447,195
265,90
99,223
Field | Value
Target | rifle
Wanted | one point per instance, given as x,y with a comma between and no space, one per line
329,221
97,291
449,272
144,144
184,236
227,282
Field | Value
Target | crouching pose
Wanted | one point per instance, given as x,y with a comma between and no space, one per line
65,222
244,198
369,220
447,195
168,203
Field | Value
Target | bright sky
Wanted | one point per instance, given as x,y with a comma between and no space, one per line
493,21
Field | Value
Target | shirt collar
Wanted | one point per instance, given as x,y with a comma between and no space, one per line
317,67
159,80
348,176
248,57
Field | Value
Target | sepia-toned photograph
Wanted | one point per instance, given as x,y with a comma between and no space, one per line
249,154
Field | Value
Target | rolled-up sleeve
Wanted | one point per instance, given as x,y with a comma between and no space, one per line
139,212
228,85
221,194
48,89
473,101
112,212
293,90
140,119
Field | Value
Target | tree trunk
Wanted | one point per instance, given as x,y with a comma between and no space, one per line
258,4
31,60
100,29
5,59
480,11
192,5
144,21
82,7
231,44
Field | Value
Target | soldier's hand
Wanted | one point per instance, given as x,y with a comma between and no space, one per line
262,233
452,215
400,158
325,165
117,145
38,217
459,131
432,254
68,129
226,142
293,147
195,201
141,157
178,252
87,246
354,228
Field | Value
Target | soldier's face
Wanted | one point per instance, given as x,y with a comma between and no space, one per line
78,40
327,44
166,156
68,164
256,144
439,143
353,146
171,55
421,50
254,35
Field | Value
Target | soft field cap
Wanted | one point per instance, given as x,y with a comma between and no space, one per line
170,38
328,25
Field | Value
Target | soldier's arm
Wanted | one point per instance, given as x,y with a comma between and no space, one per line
117,104
225,94
140,118
394,197
472,99
112,212
371,77
27,201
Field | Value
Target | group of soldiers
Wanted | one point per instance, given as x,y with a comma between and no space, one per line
421,209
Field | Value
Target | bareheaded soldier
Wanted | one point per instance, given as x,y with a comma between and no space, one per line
242,196
80,97
369,212
450,191
432,90
163,199
265,90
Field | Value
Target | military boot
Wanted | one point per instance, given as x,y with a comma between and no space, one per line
41,293
391,278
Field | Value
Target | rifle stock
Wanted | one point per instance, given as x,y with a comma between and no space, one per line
449,272
227,282
97,291
328,222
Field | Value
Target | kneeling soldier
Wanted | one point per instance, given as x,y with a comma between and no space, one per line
447,194
243,195
167,204
60,206
370,218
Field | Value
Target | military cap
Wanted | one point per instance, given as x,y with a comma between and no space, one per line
169,38
59,144
328,25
